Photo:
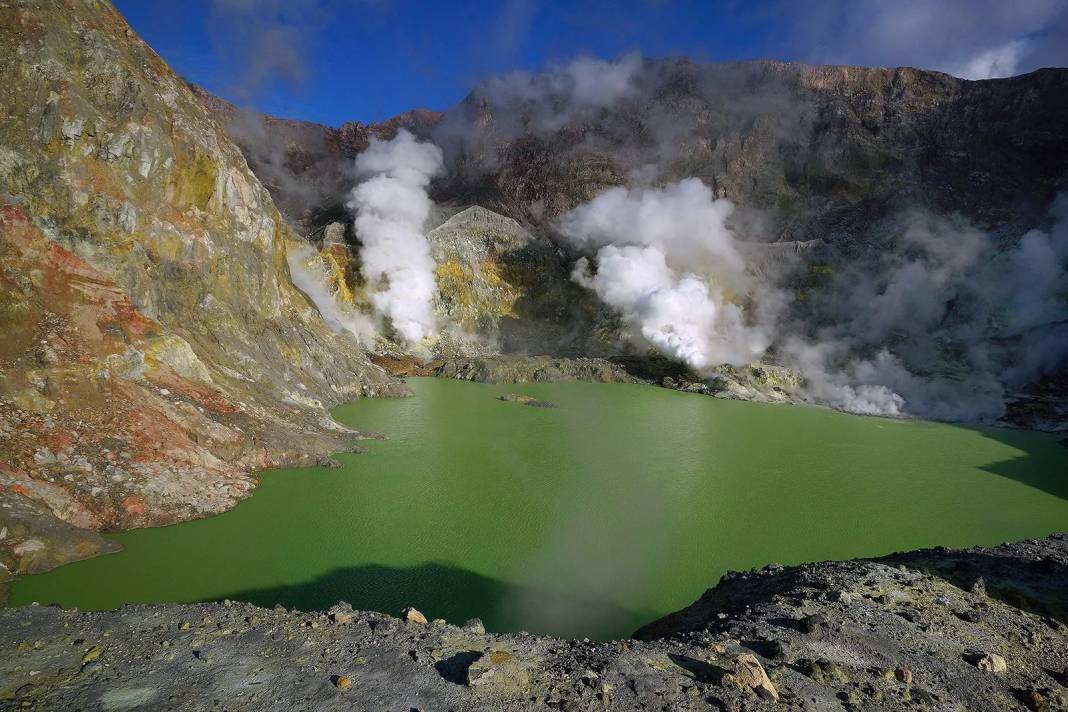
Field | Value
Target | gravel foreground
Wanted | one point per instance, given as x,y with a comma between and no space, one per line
977,629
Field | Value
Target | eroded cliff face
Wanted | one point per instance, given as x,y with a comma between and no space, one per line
155,351
823,152
825,165
307,167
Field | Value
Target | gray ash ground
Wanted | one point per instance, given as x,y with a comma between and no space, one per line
979,629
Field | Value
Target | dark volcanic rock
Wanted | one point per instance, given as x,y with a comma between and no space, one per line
510,369
824,150
525,400
188,657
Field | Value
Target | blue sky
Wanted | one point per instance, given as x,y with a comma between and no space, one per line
332,61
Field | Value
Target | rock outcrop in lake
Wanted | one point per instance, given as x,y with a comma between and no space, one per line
155,352
979,629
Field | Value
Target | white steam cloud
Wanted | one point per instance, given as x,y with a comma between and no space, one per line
668,262
939,320
391,207
945,322
581,84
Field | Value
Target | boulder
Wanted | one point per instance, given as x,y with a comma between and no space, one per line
500,671
411,615
748,672
474,625
991,662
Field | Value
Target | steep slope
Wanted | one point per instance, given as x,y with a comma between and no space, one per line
307,167
155,351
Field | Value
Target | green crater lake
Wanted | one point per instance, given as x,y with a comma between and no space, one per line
589,519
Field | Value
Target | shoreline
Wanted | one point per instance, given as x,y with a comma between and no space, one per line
980,628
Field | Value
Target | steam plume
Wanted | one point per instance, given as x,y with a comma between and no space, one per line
667,261
945,323
391,206
939,320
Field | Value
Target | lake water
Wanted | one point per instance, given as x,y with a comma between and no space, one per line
620,505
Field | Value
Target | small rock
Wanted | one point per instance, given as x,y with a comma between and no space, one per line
340,613
748,672
991,662
342,682
525,400
840,597
974,617
413,616
778,649
826,672
815,625
499,670
474,625
92,654
903,674
1035,701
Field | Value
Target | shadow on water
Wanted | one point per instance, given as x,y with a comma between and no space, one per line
1038,585
1032,467
455,594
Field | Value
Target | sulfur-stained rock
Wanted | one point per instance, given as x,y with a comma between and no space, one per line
499,670
155,350
411,615
749,673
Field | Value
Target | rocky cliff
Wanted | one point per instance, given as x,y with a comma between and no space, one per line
307,167
822,151
825,166
981,629
155,352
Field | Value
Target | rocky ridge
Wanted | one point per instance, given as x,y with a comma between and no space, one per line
155,351
979,629
821,162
